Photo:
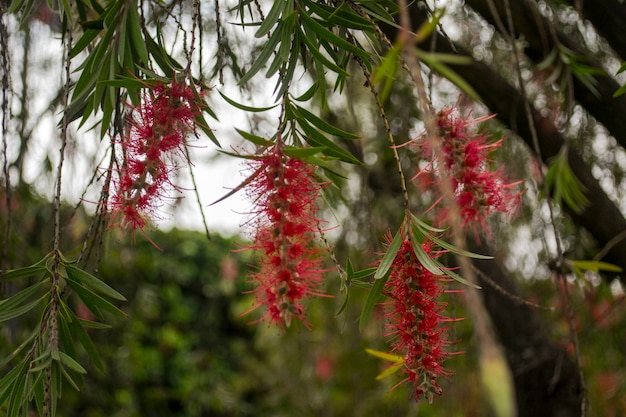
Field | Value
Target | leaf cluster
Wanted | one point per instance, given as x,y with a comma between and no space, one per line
50,355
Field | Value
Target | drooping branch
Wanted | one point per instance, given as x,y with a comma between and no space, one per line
602,218
541,37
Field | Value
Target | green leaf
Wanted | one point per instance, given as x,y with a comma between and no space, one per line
302,153
71,363
386,71
620,91
17,397
41,364
595,266
330,37
424,258
429,27
398,362
77,329
93,301
324,126
390,256
84,41
342,16
27,271
243,106
425,227
437,62
363,273
271,18
457,251
459,278
564,184
17,351
374,297
313,49
385,356
136,37
167,64
66,337
14,306
390,371
93,324
89,280
10,379
315,138
344,304
69,378
308,94
125,82
261,60
257,140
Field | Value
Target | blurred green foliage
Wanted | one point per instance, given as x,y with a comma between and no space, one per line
186,350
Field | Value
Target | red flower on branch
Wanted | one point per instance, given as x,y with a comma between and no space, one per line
414,320
285,227
156,135
479,190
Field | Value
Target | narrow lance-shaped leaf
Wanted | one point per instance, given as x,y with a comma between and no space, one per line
27,271
390,256
374,297
87,279
261,60
315,138
326,35
243,106
270,20
595,266
325,126
345,286
421,254
14,306
398,362
460,279
93,301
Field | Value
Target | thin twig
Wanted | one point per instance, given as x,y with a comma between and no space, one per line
52,324
195,190
220,41
390,138
192,46
610,244
515,298
4,61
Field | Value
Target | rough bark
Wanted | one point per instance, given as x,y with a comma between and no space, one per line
546,379
541,37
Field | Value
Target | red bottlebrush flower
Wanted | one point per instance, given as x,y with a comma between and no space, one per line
479,191
414,320
157,133
285,192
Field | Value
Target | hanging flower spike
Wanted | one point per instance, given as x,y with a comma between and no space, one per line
414,320
285,227
157,134
479,191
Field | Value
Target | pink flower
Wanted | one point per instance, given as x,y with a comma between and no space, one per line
480,191
157,134
285,227
414,320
